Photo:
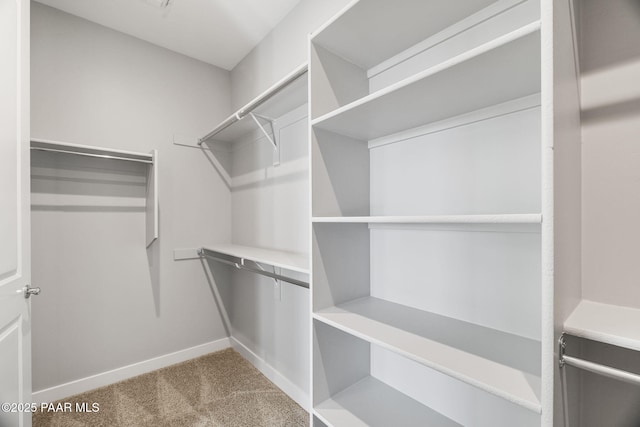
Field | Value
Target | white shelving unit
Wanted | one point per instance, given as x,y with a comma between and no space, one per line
261,151
287,95
432,133
150,159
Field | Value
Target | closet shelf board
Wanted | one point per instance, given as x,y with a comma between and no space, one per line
501,70
411,21
272,103
89,149
371,402
435,219
500,363
610,324
282,259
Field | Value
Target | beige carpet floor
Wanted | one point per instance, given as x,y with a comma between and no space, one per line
219,389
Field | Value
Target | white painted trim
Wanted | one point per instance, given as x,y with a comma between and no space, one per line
119,374
292,390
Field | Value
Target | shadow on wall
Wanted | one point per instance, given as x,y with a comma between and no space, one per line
61,182
609,59
608,32
153,259
218,277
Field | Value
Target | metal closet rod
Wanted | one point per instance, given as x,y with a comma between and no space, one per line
100,156
240,263
247,109
596,368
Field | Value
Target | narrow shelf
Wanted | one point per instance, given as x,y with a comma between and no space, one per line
500,363
371,402
282,259
282,97
610,324
90,151
435,219
411,22
504,69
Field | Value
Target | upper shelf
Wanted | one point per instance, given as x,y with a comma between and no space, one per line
410,21
610,324
504,69
150,159
282,259
282,97
90,151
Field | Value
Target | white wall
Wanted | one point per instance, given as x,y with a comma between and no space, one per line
610,65
106,301
281,51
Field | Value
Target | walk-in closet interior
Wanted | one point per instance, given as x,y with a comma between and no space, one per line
320,212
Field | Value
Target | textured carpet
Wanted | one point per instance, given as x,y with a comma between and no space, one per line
219,389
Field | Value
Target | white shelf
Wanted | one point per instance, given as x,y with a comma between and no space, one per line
503,364
435,219
504,69
284,96
90,151
282,259
370,402
357,34
610,324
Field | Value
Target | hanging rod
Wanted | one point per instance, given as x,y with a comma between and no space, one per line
596,368
255,103
100,156
241,263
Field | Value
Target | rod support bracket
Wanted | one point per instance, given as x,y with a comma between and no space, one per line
562,347
270,136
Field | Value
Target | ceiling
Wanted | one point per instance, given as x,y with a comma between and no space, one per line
219,32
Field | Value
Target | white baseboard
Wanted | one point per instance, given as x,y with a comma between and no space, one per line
292,390
106,378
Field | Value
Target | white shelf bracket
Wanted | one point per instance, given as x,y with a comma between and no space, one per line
271,136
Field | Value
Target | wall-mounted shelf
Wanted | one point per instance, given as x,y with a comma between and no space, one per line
287,94
371,402
471,353
253,259
150,159
435,219
504,69
281,259
610,324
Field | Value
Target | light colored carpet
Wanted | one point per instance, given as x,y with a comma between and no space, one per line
219,389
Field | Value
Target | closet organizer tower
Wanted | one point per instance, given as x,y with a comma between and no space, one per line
445,169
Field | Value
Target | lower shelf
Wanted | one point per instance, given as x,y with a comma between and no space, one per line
497,362
282,259
371,402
